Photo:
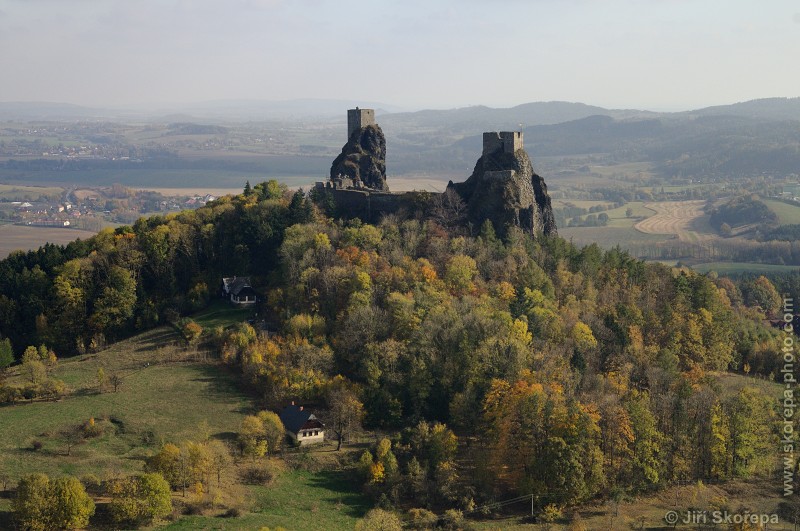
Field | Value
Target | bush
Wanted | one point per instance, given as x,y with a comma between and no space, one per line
379,520
422,519
140,498
42,504
36,445
261,474
9,394
233,512
91,429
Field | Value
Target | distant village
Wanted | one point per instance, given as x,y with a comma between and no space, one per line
95,208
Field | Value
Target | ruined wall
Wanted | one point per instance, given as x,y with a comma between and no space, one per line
505,141
370,205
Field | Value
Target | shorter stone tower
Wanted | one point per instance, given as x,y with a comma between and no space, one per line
358,118
505,141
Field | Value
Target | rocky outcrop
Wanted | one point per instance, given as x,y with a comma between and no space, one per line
363,159
504,189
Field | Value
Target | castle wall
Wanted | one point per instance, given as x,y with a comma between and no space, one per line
369,205
358,118
506,141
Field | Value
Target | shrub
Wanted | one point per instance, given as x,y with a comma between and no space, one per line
379,520
42,504
36,445
91,428
140,498
233,512
422,519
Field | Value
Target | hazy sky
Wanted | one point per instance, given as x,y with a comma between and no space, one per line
655,54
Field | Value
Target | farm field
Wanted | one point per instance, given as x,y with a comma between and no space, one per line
20,237
674,217
14,192
787,214
608,237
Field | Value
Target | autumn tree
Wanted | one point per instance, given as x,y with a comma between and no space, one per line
346,411
43,504
140,499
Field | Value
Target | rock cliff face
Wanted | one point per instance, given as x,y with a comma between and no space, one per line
363,159
504,189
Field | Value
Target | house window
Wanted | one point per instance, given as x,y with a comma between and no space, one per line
316,433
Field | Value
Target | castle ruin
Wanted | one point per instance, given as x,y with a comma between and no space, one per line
505,141
359,118
503,188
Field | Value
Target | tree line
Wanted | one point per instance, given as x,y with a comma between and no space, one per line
573,373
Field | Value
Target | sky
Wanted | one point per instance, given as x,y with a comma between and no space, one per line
664,55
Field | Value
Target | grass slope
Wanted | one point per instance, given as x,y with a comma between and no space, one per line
787,214
297,500
157,401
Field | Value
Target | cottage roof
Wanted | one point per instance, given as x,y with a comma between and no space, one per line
234,285
296,418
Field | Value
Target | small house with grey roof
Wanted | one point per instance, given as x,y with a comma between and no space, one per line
238,290
301,425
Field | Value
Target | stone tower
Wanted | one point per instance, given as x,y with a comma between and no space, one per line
358,118
505,141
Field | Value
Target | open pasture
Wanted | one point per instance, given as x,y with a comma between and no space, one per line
20,237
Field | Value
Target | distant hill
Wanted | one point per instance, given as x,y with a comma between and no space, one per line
765,108
482,118
704,146
39,110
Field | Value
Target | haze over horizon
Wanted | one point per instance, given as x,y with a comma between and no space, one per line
662,56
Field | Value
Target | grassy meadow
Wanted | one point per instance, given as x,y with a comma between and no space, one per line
787,214
20,237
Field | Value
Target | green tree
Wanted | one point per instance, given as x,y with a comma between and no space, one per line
33,504
72,507
379,520
42,504
273,430
166,462
6,353
252,438
139,499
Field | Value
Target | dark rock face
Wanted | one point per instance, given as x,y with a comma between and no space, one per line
363,159
504,189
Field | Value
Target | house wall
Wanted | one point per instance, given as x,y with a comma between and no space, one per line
243,300
309,438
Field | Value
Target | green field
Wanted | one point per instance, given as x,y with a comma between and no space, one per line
608,237
14,192
297,500
157,401
20,237
787,214
221,313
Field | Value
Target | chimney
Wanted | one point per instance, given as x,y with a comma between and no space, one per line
292,402
301,408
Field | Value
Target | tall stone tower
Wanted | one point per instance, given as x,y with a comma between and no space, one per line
505,141
358,118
